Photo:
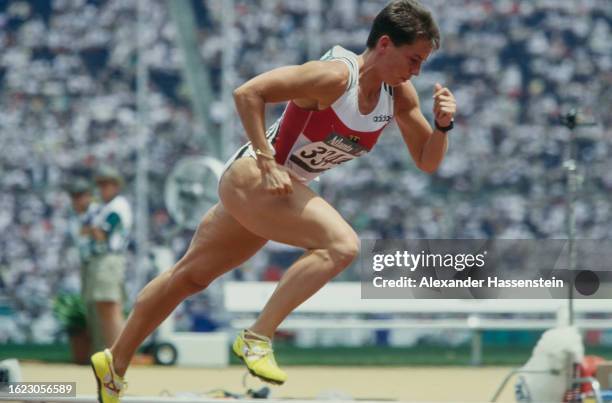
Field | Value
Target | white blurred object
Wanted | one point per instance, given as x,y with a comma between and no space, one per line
191,189
406,337
552,363
11,367
333,337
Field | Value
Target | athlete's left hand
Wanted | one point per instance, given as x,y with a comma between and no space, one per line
445,106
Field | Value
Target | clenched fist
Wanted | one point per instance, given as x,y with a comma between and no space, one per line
445,106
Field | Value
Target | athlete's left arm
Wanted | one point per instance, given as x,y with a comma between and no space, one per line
426,145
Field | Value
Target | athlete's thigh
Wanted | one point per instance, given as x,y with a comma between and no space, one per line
221,243
302,219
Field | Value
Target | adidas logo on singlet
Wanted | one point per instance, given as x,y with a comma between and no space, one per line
382,118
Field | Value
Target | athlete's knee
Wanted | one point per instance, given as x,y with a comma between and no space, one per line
187,277
344,251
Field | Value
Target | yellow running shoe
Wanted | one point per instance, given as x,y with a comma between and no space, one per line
110,385
256,352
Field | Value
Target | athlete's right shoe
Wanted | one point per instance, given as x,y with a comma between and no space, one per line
110,385
256,352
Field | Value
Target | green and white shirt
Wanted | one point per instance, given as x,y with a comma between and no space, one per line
115,219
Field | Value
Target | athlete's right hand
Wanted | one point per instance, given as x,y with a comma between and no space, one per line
276,179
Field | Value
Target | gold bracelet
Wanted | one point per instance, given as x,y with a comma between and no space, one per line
260,153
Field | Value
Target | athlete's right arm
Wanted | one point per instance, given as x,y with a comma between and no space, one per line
317,84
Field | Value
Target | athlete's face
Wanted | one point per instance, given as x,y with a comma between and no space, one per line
400,63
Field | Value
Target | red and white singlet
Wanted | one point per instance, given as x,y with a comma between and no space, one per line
309,143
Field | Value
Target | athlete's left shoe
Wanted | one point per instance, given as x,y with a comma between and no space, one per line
110,385
256,352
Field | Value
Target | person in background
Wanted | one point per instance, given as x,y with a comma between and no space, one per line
109,233
84,209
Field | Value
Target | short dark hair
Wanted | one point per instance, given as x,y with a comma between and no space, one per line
404,21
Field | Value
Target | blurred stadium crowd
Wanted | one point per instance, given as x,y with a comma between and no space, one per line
67,95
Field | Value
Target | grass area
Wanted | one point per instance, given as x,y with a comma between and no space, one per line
421,355
37,352
395,356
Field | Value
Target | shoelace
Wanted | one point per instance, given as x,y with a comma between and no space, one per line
119,386
112,386
260,350
258,345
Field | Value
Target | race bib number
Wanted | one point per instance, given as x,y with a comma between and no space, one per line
322,155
